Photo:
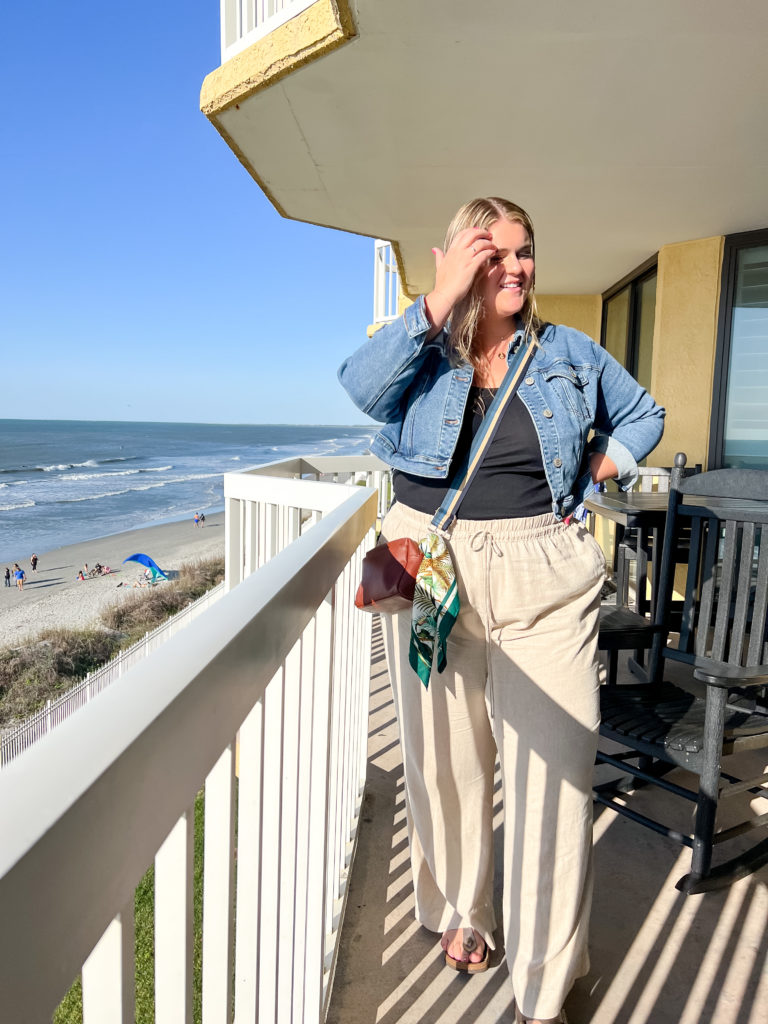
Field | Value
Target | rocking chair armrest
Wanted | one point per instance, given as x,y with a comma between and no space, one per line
718,673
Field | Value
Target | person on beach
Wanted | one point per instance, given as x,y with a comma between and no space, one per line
7,576
80,575
521,680
197,519
20,577
33,563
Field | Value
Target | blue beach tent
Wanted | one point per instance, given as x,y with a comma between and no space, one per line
154,568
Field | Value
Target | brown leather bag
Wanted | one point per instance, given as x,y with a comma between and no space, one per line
389,577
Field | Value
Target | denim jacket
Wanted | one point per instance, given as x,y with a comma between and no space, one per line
572,387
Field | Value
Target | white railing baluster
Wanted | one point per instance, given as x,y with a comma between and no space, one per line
270,852
348,689
174,924
303,797
218,890
271,538
288,831
108,974
321,806
248,896
233,569
250,538
334,810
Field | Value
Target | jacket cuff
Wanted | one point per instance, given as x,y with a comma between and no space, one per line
622,458
416,320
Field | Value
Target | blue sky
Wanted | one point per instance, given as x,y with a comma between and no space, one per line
143,274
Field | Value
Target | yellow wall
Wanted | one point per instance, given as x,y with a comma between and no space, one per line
580,311
687,299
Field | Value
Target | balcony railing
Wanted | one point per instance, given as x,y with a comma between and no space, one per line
243,22
263,703
386,283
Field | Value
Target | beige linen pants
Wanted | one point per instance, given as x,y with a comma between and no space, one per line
522,682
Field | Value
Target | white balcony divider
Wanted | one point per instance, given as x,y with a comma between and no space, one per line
284,659
243,22
386,283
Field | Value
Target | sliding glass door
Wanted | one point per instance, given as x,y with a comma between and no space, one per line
740,406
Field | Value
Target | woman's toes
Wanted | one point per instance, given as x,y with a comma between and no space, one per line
464,945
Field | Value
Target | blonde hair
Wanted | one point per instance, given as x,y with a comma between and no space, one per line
468,312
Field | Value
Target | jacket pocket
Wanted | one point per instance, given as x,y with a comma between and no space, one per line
571,386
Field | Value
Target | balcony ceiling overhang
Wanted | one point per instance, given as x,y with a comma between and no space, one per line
619,127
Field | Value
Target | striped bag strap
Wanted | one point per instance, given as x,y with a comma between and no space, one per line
464,475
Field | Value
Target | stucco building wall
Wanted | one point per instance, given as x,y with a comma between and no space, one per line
685,333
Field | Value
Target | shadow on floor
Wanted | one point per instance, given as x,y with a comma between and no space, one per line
658,957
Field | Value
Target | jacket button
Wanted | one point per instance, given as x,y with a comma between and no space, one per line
548,413
529,380
557,462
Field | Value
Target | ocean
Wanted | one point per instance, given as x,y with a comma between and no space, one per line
66,481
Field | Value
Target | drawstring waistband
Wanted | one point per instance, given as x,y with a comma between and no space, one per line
483,540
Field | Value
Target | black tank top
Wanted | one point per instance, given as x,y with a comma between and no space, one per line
510,483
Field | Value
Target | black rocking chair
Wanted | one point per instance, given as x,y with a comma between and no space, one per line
723,709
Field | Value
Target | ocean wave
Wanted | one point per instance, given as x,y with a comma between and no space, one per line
131,490
62,467
156,469
23,504
94,476
103,494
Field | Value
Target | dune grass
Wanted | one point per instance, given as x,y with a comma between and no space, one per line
45,667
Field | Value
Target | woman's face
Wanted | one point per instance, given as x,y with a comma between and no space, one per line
507,277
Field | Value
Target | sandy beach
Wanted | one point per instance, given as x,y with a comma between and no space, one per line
53,596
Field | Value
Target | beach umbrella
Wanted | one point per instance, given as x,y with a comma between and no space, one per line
154,568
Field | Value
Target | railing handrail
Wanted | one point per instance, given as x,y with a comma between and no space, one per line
305,465
66,867
308,494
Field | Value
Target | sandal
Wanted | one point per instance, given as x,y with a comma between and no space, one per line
520,1019
470,945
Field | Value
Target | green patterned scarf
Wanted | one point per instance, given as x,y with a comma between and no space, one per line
435,607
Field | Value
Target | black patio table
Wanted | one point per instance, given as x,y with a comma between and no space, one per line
645,513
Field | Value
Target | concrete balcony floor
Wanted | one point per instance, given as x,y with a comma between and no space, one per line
658,957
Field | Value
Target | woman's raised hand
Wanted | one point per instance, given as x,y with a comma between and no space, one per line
455,270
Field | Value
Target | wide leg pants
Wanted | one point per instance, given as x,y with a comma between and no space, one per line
521,682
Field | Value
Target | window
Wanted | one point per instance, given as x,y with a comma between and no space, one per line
740,401
629,309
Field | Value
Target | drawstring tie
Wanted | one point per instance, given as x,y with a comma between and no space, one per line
483,540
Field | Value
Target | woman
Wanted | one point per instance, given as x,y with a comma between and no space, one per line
521,679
